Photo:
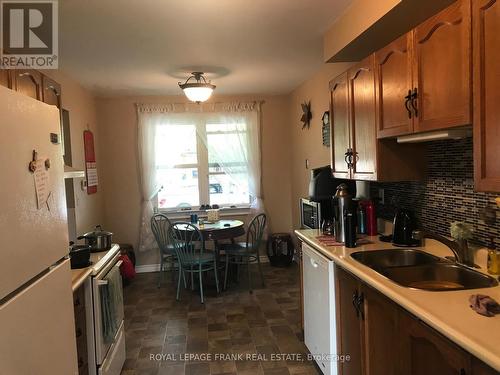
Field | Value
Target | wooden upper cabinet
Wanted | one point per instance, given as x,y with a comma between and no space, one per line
486,34
356,151
339,123
51,92
27,82
5,78
442,69
361,81
424,351
393,81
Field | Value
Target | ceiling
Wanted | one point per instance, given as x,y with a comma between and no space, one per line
144,47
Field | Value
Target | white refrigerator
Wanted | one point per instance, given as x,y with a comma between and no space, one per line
37,330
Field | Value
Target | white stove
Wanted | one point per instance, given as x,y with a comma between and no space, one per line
106,351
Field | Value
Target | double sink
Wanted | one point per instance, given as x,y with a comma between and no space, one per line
417,269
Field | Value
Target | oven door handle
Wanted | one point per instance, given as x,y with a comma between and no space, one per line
105,282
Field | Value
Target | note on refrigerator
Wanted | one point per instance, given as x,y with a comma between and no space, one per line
42,183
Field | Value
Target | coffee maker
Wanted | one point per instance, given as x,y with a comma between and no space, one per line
321,190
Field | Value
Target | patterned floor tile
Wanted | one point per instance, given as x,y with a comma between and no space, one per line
233,333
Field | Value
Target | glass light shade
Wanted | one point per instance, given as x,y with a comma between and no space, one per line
198,94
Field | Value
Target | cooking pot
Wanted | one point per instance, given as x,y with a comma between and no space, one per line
79,256
98,240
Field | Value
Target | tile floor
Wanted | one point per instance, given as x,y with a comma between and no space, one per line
233,333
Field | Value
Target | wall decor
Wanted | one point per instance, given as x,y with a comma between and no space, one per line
325,128
306,115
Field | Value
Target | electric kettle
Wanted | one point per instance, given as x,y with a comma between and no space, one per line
404,225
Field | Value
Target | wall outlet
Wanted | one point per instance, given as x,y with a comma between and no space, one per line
381,196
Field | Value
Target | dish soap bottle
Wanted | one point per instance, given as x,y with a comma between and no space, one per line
493,259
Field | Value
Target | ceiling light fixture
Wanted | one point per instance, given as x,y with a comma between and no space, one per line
198,91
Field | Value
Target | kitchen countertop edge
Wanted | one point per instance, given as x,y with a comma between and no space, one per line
78,277
397,294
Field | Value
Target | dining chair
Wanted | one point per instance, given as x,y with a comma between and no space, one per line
189,247
160,226
246,252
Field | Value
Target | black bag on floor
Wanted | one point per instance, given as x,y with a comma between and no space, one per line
280,249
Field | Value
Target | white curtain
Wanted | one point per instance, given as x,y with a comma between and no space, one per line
146,131
244,148
247,149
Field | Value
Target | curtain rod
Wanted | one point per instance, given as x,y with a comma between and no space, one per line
210,106
206,103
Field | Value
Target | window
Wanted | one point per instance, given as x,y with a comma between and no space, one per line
202,162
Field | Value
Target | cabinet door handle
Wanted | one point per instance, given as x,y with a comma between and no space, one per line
407,103
346,158
360,305
355,302
349,158
414,104
356,157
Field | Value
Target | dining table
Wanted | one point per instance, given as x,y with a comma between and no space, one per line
220,230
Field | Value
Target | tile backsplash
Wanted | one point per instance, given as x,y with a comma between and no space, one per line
446,196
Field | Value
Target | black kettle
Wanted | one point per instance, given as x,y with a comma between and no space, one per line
404,225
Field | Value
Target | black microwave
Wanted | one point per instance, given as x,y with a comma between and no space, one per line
310,214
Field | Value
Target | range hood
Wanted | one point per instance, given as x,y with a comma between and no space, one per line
436,135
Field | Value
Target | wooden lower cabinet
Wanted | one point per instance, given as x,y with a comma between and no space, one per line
81,330
480,368
381,333
382,338
349,325
423,351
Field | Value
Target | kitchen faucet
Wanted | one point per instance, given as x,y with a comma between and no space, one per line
459,248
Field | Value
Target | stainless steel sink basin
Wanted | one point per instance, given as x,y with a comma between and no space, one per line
420,270
378,259
439,276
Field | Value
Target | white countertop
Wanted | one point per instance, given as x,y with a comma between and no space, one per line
446,311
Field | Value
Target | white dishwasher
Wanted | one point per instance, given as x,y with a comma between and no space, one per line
320,334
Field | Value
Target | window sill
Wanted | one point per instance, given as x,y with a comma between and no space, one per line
185,214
